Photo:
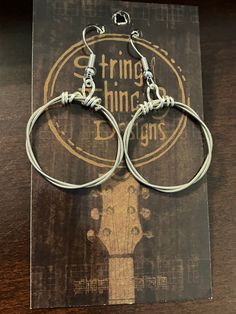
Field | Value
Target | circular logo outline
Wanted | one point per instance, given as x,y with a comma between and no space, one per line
49,87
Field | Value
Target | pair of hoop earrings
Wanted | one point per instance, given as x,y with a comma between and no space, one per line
94,102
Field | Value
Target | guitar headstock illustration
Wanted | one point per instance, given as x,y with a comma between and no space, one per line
120,231
120,228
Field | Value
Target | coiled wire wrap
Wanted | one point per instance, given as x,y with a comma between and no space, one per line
157,104
86,100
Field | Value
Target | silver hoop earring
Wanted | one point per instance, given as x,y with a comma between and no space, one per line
156,104
87,100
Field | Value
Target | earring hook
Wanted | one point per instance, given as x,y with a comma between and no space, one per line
90,70
136,34
100,30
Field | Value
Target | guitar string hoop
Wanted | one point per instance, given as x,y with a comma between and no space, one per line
157,103
87,100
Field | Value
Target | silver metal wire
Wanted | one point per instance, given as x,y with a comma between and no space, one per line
85,99
100,30
156,104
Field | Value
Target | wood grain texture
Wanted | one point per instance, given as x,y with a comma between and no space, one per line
217,24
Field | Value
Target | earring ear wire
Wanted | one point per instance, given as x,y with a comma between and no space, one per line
147,73
90,70
85,99
156,104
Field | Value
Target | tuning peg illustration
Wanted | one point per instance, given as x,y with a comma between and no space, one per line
135,231
145,193
95,213
131,189
91,235
148,235
131,210
95,193
145,213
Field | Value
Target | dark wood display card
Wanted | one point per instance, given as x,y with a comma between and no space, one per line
120,242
